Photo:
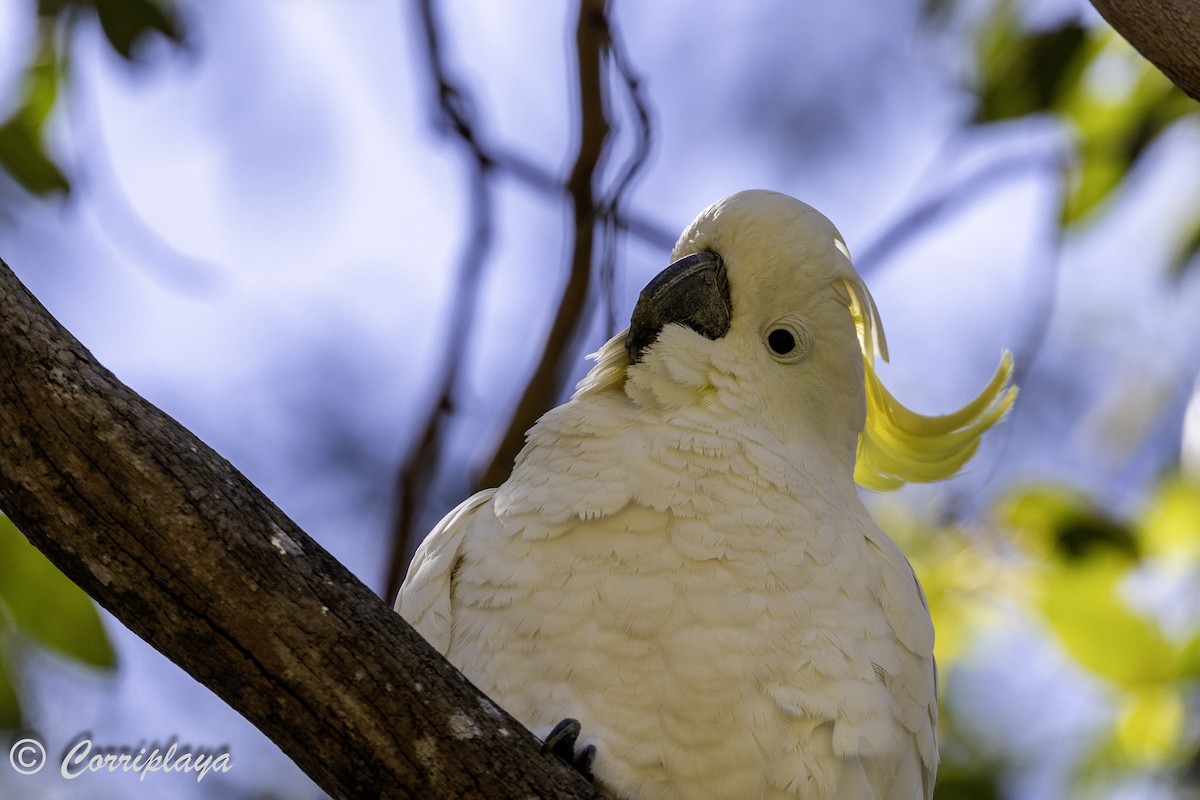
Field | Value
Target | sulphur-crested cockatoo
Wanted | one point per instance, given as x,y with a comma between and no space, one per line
680,559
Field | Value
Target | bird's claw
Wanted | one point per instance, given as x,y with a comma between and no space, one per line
561,742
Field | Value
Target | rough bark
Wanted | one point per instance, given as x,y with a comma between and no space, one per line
1166,32
183,549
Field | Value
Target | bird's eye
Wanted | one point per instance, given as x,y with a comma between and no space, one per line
789,339
782,341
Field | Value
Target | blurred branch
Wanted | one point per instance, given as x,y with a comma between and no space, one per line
1166,32
1041,285
610,206
127,231
180,547
1037,304
596,48
543,180
415,475
954,198
592,39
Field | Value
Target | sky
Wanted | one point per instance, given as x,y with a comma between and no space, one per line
265,224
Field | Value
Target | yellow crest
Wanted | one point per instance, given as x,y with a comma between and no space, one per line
898,445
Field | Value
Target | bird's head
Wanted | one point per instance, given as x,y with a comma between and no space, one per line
762,311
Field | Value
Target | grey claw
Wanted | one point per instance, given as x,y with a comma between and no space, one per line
561,742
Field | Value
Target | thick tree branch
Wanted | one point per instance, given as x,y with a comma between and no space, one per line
178,545
1166,32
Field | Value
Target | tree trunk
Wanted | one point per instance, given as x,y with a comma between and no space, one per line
179,546
1166,32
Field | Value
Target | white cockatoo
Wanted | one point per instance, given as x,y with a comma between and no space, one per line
680,560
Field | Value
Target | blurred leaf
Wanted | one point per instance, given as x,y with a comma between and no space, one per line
50,9
1170,525
1119,107
127,22
1116,102
22,157
1025,72
1150,725
1083,604
1187,253
44,604
935,10
1056,523
957,579
22,146
955,783
960,577
10,705
41,86
1187,664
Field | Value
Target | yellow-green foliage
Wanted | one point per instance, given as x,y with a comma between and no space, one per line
39,603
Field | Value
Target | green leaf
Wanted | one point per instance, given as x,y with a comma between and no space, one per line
1025,73
1117,111
41,87
1187,663
22,147
1059,524
1170,523
22,157
1083,604
50,9
46,606
10,704
957,783
1187,251
127,22
1150,724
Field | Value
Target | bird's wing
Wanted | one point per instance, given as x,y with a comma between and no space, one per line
863,702
913,681
425,597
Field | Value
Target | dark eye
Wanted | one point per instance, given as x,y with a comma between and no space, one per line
781,341
788,339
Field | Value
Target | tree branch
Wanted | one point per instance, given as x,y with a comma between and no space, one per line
610,206
415,475
1166,32
919,217
458,120
178,545
591,39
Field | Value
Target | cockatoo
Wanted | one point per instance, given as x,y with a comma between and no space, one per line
680,560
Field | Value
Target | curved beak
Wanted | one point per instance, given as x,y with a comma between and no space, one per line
693,291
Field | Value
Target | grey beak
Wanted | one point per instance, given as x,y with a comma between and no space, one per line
694,291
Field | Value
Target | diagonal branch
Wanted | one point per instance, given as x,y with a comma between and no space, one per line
954,199
591,40
179,546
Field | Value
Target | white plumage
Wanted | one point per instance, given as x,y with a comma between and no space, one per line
680,559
